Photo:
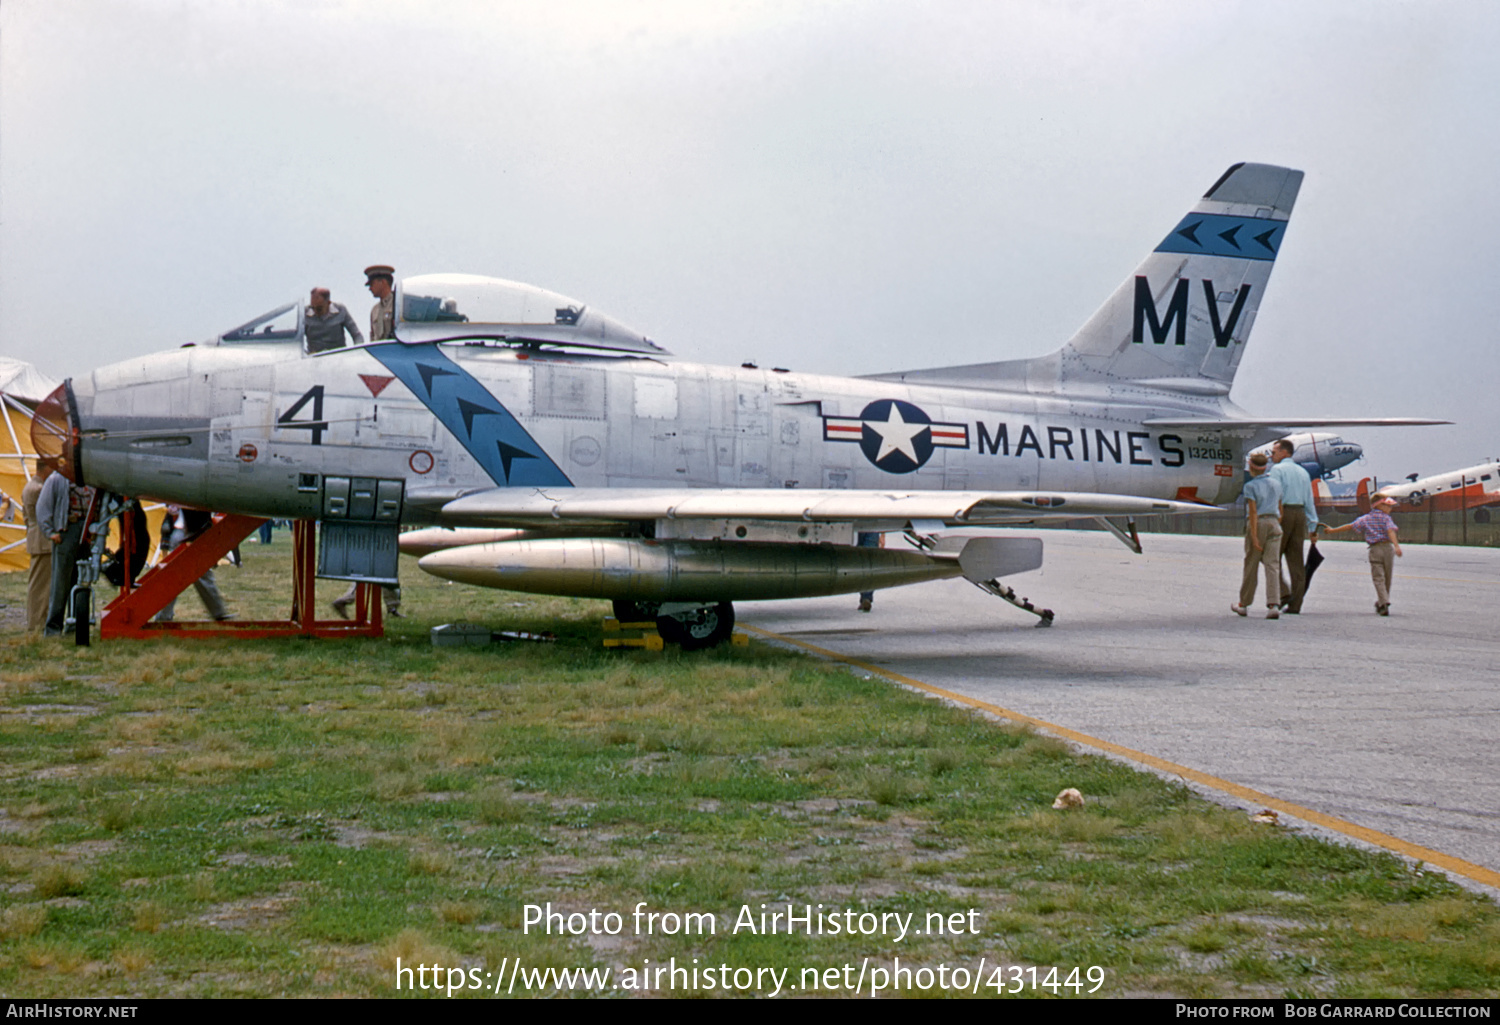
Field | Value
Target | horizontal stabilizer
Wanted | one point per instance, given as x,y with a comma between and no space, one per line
1246,428
522,507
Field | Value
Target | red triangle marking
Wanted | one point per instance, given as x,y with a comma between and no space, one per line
375,383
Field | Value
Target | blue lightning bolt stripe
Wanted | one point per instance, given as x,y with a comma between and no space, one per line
484,427
1249,238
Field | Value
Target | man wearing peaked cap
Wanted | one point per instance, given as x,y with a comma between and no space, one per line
380,280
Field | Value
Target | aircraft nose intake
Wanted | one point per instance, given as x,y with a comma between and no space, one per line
54,431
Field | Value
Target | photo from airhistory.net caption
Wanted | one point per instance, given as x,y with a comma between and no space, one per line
694,975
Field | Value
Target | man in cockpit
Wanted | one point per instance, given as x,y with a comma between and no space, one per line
381,280
325,322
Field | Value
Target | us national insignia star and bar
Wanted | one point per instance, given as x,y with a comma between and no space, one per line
896,436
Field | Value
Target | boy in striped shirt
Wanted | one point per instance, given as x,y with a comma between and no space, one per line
1379,532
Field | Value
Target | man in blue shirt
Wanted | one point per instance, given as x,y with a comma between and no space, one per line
1262,538
1299,521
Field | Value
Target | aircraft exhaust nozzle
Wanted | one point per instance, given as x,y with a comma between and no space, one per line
633,569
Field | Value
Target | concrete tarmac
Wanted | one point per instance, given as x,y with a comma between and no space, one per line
1389,723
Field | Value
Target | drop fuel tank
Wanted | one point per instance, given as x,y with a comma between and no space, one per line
635,569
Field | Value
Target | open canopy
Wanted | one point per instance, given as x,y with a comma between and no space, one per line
436,307
452,307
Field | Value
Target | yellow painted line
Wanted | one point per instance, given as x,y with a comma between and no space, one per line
1457,866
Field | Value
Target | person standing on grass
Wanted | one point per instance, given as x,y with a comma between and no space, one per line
39,549
62,512
178,528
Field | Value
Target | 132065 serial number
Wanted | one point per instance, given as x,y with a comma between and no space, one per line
1218,455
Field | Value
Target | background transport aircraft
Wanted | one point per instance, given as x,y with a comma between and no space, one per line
1470,488
1320,453
1351,498
676,489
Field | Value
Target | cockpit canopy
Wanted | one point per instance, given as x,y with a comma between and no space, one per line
438,307
452,307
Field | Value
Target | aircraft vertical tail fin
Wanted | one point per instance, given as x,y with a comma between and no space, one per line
1322,498
1182,319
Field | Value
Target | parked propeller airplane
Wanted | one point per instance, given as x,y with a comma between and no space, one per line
1473,487
674,488
1320,453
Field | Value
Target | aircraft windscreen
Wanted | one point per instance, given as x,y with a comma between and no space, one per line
280,325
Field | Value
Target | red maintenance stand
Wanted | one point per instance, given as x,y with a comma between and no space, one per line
129,615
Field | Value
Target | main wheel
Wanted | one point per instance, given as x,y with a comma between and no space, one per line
702,628
82,606
635,612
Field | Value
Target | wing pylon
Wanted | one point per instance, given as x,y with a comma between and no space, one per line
517,507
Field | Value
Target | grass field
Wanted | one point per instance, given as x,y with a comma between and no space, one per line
291,817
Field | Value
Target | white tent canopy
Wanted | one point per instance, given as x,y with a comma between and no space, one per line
22,386
24,381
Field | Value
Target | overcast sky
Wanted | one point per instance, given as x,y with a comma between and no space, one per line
839,187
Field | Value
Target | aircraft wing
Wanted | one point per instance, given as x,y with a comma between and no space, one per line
504,507
1286,424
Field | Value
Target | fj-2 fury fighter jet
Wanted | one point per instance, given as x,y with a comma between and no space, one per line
676,488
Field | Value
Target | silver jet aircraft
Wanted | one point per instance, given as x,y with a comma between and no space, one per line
677,488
